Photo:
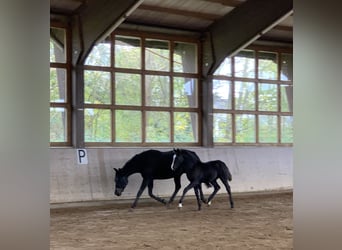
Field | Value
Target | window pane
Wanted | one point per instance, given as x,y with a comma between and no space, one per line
127,52
97,87
97,125
268,97
245,128
57,45
245,64
158,126
127,89
268,129
268,66
58,125
185,92
157,55
286,125
128,126
225,68
286,73
185,57
58,85
222,94
99,55
286,98
157,90
186,127
222,128
244,94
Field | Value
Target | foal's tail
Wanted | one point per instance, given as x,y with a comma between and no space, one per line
224,170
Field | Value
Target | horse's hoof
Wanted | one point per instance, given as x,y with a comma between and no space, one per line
180,205
209,203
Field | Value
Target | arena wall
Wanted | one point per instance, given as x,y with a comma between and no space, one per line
253,169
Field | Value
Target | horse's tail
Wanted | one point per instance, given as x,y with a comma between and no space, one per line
224,170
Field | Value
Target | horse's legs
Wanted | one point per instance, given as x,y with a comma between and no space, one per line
197,188
216,188
186,189
226,184
150,188
201,194
140,191
177,187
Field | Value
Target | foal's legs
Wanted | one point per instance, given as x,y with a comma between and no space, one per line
197,188
225,182
216,188
150,188
201,194
186,189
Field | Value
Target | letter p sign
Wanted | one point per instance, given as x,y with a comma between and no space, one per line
82,157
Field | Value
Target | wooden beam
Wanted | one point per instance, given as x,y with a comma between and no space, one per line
283,27
231,3
199,15
239,28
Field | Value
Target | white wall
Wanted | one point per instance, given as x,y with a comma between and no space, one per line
253,169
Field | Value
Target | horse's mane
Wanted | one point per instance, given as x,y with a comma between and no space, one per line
190,153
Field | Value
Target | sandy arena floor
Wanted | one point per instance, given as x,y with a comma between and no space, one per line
258,221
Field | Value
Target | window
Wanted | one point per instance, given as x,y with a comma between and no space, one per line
252,98
142,90
60,103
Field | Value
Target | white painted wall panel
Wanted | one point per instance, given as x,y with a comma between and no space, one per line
253,169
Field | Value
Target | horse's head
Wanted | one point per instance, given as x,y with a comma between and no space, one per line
121,182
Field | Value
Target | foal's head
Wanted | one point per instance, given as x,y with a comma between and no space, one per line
177,159
183,158
121,182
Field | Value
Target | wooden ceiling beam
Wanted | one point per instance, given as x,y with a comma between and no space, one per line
283,27
199,15
244,24
230,3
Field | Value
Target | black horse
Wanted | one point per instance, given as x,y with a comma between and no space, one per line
154,164
204,172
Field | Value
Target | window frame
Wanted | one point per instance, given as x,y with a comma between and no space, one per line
143,108
233,112
67,66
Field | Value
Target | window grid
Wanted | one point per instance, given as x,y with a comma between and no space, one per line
65,105
144,108
257,113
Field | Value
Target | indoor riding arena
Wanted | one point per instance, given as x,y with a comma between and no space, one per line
213,78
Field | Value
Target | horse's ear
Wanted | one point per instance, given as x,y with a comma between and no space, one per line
115,169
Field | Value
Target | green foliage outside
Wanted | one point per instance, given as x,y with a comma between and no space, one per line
97,125
223,128
58,127
158,127
245,128
268,130
128,126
